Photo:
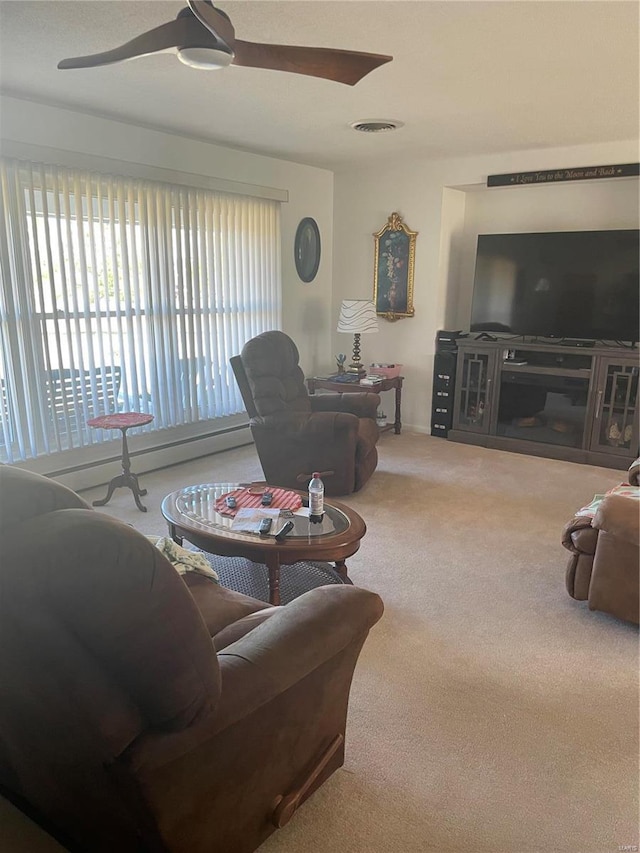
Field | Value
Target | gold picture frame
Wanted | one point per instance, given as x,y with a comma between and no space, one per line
395,256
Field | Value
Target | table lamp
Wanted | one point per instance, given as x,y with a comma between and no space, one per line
358,317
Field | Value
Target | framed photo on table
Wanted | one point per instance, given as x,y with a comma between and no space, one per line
395,251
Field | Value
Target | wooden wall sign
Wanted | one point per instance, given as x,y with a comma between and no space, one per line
553,176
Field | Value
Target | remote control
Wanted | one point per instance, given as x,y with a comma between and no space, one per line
267,497
230,502
265,526
284,530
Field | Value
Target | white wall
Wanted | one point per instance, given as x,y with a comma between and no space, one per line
448,203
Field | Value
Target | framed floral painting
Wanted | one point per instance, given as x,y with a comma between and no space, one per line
395,250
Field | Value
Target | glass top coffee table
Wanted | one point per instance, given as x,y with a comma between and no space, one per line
191,514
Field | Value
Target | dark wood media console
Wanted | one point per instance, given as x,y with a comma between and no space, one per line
563,402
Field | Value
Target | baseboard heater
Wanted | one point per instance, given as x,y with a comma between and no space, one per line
156,448
79,474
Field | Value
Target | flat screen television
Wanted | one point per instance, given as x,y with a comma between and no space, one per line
565,284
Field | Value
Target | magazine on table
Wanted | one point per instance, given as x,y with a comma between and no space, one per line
248,519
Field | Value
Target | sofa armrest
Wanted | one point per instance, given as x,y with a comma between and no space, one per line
362,404
265,663
579,532
619,516
301,637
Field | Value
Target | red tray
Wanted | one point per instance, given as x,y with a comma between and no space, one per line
252,499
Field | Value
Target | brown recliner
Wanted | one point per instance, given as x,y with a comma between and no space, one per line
296,433
604,567
123,725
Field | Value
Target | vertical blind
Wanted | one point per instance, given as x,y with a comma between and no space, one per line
124,295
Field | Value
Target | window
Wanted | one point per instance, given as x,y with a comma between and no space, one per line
121,294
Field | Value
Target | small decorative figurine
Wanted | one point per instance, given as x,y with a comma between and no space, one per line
340,360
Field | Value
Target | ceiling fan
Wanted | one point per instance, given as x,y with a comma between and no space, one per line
204,37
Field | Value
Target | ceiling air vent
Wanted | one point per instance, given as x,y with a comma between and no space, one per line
375,125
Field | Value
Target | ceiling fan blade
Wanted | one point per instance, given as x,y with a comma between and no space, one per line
215,21
343,66
179,33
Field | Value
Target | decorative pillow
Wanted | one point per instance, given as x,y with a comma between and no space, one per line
623,489
182,559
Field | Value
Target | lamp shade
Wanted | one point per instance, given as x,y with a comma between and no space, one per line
357,316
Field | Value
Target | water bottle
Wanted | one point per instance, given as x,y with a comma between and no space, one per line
316,498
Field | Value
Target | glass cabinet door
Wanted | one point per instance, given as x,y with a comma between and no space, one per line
615,420
475,388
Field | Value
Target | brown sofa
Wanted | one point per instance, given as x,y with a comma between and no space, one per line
297,434
138,713
605,555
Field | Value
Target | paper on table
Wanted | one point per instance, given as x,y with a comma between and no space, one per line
248,519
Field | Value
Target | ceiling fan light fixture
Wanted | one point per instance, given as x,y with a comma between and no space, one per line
376,125
205,58
204,38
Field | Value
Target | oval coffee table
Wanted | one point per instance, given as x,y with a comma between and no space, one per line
191,514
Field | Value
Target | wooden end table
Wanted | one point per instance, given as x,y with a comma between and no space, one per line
127,479
191,514
351,387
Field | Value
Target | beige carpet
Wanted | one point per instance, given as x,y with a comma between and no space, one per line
490,713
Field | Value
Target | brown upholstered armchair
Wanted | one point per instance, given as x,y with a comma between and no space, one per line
604,567
139,713
296,434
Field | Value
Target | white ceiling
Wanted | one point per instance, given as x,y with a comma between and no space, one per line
469,77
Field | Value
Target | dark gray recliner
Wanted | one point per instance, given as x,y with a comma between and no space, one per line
297,433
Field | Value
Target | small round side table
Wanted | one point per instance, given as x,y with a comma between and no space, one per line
123,422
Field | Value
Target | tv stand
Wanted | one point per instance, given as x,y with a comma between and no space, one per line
571,400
